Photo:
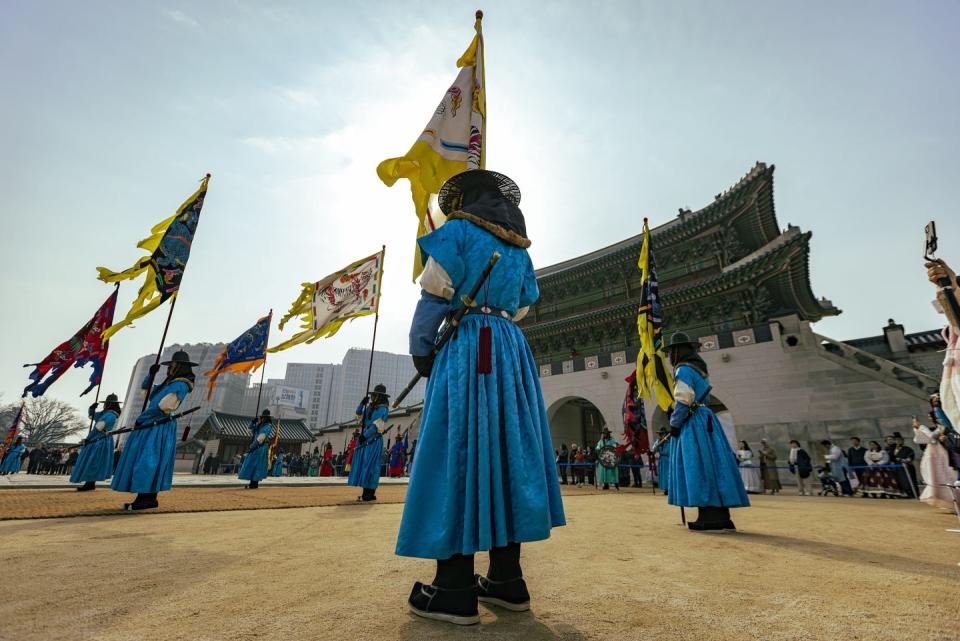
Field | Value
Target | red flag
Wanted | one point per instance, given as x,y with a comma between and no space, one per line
11,433
86,346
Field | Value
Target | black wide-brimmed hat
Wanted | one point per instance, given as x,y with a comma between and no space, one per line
451,191
112,398
180,357
265,413
681,338
605,430
381,389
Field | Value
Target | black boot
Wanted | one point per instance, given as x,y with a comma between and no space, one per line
711,518
504,585
367,496
144,501
452,597
88,486
252,485
606,486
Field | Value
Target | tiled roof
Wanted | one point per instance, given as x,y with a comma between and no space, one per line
239,426
689,224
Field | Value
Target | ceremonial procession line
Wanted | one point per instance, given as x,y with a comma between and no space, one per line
185,479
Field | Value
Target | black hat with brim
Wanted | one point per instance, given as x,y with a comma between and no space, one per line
449,197
264,413
381,389
681,338
180,357
112,398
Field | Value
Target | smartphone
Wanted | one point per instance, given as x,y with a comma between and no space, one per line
930,247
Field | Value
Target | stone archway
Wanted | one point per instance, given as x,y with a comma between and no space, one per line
574,419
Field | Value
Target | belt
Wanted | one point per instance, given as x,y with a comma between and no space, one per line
487,310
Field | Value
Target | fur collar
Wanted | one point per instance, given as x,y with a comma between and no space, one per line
507,236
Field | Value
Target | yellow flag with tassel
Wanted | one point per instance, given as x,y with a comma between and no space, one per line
451,143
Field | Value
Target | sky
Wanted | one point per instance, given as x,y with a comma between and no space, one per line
603,112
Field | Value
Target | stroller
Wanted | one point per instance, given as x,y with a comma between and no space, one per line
827,483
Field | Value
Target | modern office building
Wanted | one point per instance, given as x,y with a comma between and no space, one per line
393,370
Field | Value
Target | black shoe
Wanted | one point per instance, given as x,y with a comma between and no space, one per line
729,526
145,505
87,487
606,486
511,595
453,606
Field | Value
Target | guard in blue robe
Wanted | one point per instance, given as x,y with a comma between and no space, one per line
146,462
662,449
277,469
484,477
13,457
703,468
95,461
256,464
368,454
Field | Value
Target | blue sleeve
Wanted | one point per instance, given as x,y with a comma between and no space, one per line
529,290
444,246
679,415
426,323
380,413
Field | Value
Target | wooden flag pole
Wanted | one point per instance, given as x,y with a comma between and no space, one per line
376,320
153,371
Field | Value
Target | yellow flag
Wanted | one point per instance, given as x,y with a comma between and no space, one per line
324,306
451,143
653,376
169,245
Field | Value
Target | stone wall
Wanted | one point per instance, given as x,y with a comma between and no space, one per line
773,390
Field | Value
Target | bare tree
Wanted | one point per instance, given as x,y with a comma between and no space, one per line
45,420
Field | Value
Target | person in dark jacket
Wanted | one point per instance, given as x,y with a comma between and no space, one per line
856,457
563,460
799,462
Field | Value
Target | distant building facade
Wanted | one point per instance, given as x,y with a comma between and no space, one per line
227,396
730,276
393,370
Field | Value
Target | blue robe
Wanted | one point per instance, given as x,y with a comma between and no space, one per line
256,462
703,468
146,462
484,474
605,476
277,466
11,460
95,461
365,464
663,465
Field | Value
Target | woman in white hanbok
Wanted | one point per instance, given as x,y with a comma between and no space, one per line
748,471
934,466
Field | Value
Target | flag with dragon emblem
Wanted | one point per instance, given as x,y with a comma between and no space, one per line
451,143
324,306
169,245
86,346
653,376
245,353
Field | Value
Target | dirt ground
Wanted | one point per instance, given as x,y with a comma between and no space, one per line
623,568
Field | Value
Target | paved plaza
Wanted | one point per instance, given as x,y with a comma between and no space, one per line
623,568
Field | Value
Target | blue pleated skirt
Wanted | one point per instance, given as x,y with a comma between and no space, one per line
254,467
703,468
95,462
365,464
484,474
146,463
